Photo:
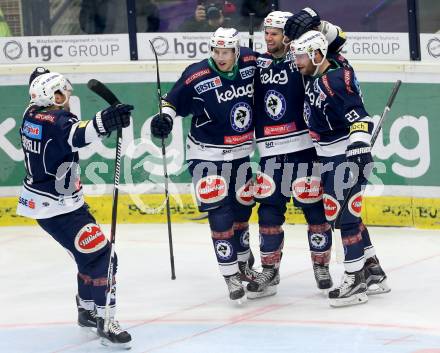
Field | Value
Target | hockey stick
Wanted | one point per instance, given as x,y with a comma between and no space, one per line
373,140
165,172
104,92
251,30
200,217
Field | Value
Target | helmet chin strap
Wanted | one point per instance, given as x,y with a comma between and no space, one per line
66,99
316,64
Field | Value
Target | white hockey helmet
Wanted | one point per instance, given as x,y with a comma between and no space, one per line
276,19
43,88
309,43
226,38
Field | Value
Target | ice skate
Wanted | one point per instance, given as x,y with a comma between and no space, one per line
115,337
235,287
352,290
375,277
86,318
247,274
322,276
265,284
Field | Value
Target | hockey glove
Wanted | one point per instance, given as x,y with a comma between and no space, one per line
301,22
161,125
112,118
360,153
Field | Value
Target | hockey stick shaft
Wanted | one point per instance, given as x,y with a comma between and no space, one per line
165,171
387,108
105,93
251,30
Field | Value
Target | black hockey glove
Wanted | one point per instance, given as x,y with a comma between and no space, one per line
360,153
301,22
112,118
37,72
161,125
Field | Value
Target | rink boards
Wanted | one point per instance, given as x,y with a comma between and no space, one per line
408,149
376,210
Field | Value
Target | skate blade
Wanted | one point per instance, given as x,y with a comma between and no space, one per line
107,343
87,330
239,301
324,291
356,299
378,288
269,291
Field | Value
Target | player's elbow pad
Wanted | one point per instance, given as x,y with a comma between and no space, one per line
82,134
361,130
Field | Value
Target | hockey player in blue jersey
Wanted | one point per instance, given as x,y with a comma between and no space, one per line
218,93
52,193
287,155
341,129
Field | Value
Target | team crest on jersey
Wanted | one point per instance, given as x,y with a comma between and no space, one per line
211,189
331,207
307,112
241,117
264,63
247,72
223,248
208,85
274,105
33,131
90,239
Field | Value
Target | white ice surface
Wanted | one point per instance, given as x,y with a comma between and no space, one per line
193,314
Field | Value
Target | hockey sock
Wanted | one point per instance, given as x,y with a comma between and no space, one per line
368,246
225,246
99,291
353,247
271,245
320,242
85,292
241,236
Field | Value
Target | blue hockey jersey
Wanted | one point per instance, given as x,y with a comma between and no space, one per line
333,102
50,139
221,105
279,100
